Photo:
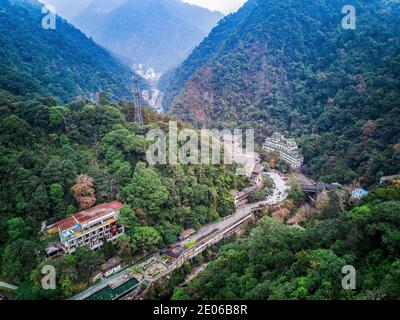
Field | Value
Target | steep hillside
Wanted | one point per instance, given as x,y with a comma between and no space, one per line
157,33
62,63
290,66
279,262
47,152
68,8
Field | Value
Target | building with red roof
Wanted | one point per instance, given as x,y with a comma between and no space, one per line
91,227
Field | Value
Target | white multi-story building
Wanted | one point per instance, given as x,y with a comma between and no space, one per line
91,227
287,149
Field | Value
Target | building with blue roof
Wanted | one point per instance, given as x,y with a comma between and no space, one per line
359,193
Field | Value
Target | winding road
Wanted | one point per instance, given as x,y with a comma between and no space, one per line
218,227
279,195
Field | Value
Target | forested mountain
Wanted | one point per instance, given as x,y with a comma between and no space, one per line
290,66
49,152
52,155
157,33
280,262
275,65
62,63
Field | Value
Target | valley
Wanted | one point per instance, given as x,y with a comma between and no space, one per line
107,192
156,33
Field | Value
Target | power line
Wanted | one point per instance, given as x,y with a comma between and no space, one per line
138,117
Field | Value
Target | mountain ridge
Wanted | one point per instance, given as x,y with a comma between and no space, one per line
62,63
290,67
169,29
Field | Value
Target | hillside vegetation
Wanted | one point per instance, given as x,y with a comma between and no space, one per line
62,63
50,152
281,262
290,66
157,33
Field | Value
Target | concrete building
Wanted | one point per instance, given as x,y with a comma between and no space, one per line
287,149
91,227
111,266
54,250
256,183
186,234
319,187
241,197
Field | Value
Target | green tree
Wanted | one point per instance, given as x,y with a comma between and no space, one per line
67,287
87,263
146,238
226,205
57,198
59,171
19,259
17,229
297,196
127,218
146,192
180,294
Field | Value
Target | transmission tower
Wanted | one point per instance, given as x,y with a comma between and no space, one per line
138,108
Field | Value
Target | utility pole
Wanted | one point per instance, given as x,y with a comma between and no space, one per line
138,108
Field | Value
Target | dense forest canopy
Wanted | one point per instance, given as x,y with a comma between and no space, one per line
50,152
290,66
60,158
279,262
62,63
273,65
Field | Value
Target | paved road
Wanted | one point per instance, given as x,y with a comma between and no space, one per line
281,188
222,224
279,195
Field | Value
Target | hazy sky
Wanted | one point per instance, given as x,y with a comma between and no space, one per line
69,8
224,6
